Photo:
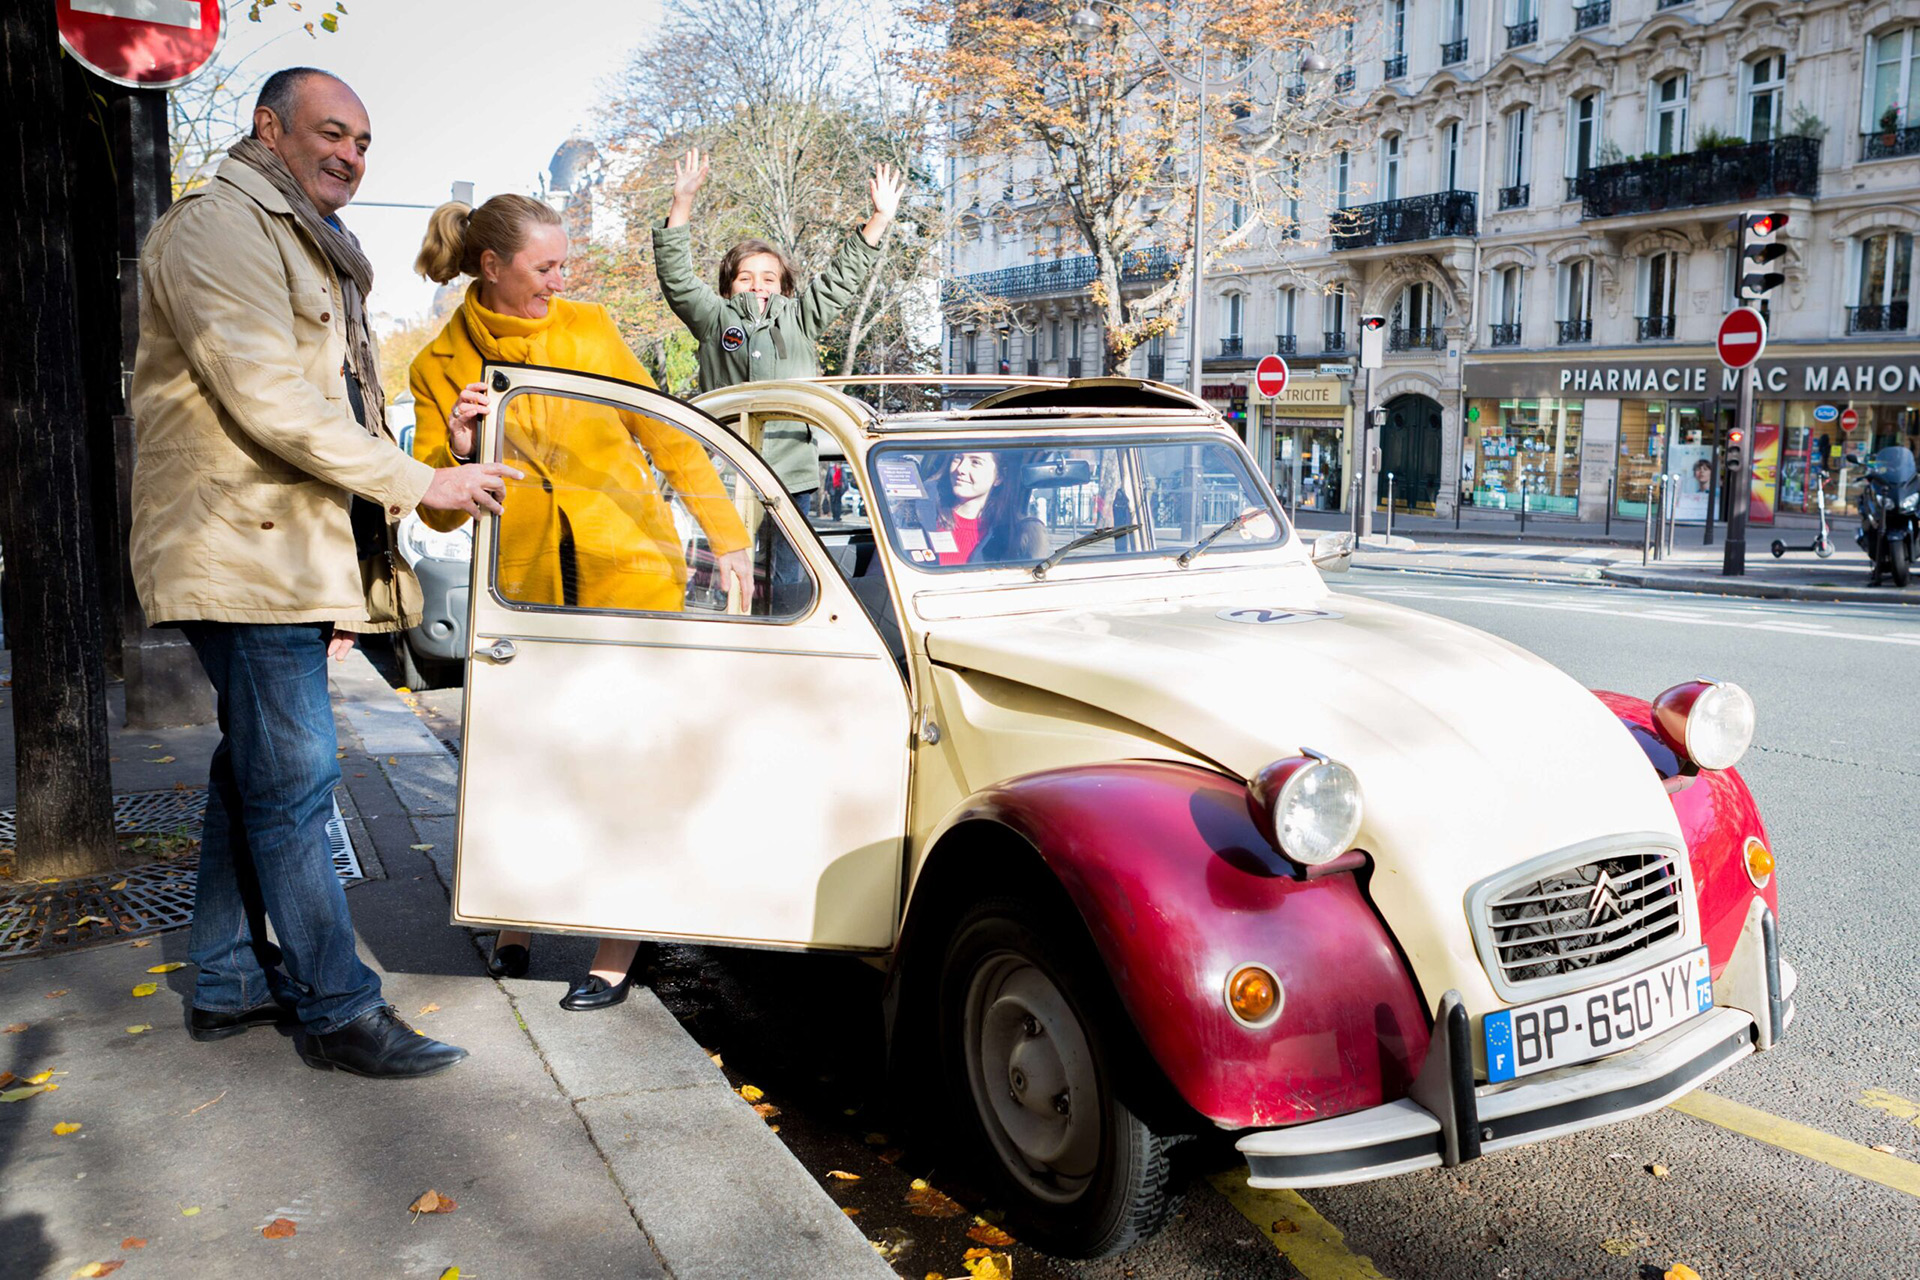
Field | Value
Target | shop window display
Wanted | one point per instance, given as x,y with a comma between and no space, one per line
1652,433
1515,440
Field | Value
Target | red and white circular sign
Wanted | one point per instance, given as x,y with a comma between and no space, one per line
1849,420
143,44
1743,336
1270,376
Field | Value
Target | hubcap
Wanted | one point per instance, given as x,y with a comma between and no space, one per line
1032,1077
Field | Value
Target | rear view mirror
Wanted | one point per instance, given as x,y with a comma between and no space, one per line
1333,552
1060,473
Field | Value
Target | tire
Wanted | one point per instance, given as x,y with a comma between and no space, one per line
1031,1079
1779,548
1823,547
1898,561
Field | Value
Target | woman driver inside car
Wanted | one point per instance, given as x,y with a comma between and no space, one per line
980,512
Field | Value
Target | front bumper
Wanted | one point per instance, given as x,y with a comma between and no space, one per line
1447,1119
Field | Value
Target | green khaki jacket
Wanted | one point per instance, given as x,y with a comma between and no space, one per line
739,344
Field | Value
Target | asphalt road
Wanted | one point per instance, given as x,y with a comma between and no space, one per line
1835,770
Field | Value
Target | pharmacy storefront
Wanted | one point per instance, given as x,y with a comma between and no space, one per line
1578,435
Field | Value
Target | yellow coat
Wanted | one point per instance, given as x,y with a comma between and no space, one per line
586,463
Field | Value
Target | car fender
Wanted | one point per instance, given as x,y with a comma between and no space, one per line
1717,816
1177,888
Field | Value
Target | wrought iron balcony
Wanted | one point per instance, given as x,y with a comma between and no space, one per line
1232,347
1671,4
1453,51
1343,79
1888,318
1286,344
1431,338
1429,217
1063,275
1515,197
1073,366
1572,331
1722,175
1156,368
1333,342
1519,33
1033,367
1504,335
973,367
1396,66
1588,16
1884,144
1651,327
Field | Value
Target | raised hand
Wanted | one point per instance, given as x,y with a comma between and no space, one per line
886,186
689,175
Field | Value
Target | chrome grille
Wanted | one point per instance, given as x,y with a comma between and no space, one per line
1584,916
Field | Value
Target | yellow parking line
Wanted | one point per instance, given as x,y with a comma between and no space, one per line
1313,1245
1762,1126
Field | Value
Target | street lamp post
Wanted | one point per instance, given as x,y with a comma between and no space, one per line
1085,24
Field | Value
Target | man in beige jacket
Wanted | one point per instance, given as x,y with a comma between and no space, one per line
264,498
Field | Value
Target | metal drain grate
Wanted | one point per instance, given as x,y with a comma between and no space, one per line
124,904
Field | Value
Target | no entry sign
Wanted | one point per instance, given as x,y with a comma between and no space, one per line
1270,376
143,44
1849,420
1743,336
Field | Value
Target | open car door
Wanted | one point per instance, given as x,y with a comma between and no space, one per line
647,752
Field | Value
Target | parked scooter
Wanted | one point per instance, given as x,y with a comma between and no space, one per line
1889,513
1816,483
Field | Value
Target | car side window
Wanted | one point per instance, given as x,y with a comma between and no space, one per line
624,511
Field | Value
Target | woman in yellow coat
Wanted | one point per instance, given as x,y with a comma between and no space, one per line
586,526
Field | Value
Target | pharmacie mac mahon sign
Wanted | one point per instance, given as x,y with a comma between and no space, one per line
1864,377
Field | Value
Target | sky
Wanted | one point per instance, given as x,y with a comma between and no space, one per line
475,90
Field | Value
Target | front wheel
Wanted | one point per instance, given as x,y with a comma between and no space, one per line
1823,547
1031,1080
1898,561
1779,548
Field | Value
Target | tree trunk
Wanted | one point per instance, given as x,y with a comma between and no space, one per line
65,792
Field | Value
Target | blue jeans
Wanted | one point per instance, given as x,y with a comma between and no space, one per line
264,853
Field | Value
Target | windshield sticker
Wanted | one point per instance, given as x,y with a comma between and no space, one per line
943,541
1277,616
900,479
913,540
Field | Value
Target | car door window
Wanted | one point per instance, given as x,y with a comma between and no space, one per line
622,511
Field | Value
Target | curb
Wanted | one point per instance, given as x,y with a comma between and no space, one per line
1715,586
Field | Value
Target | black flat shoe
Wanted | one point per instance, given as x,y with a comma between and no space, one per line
594,992
377,1044
509,961
204,1024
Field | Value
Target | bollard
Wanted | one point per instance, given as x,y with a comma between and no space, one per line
1609,517
1646,537
1389,507
1523,506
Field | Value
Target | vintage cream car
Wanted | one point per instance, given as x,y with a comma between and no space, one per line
1152,832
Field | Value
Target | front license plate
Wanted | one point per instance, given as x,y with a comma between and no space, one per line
1598,1021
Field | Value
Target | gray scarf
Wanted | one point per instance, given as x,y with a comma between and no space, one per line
349,264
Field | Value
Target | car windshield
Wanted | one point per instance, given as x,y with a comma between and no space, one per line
983,504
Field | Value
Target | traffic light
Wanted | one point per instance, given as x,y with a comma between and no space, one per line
1735,438
1758,248
1373,341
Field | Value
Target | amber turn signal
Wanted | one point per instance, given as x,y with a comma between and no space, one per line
1759,863
1253,994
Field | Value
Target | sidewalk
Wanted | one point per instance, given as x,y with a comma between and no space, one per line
573,1144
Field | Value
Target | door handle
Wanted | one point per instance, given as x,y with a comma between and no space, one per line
499,651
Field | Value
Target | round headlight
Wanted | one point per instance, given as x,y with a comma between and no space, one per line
1315,806
1709,722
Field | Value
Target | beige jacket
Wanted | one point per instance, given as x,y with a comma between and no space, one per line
247,447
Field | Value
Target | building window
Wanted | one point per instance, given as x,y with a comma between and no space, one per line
1053,345
1506,307
1576,301
1397,27
1885,268
1892,79
1234,308
1583,133
1659,286
1342,178
1519,122
1236,214
1669,118
1292,230
1766,79
1335,310
1450,156
1417,319
1288,312
1390,167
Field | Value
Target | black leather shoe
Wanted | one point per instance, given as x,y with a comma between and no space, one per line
594,992
204,1024
509,961
379,1045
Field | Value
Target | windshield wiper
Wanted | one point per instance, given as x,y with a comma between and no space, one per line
1084,540
1187,557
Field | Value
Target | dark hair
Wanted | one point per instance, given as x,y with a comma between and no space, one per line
282,88
730,265
1006,532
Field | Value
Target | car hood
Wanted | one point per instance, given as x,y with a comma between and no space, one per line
1472,754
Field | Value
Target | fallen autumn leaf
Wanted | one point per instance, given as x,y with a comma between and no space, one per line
167,967
65,1127
189,1212
278,1229
55,995
988,1234
929,1201
1657,1170
115,888
843,1175
429,1008
421,847
752,1093
15,1028
1681,1271
134,1242
432,1201
98,1269
145,1026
